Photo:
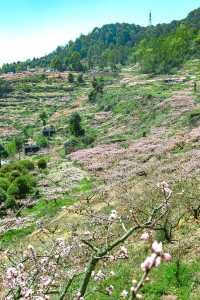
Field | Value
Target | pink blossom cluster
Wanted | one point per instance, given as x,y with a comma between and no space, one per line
156,257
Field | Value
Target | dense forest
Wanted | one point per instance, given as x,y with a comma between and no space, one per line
158,49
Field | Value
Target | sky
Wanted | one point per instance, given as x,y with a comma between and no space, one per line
33,28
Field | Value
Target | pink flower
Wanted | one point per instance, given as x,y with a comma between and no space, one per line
28,293
145,236
148,263
158,261
11,272
166,257
157,247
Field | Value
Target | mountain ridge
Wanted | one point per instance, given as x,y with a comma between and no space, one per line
104,46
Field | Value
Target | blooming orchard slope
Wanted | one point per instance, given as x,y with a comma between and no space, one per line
108,206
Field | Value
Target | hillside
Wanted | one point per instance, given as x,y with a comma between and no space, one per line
141,135
109,46
100,167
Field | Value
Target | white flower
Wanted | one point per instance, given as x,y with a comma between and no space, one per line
109,290
139,296
113,216
124,294
112,273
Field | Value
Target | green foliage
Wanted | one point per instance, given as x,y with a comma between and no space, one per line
42,163
97,92
75,127
12,236
13,190
14,174
71,78
80,79
10,202
71,145
3,153
87,140
43,116
28,131
24,185
161,55
3,195
4,183
166,280
5,88
11,148
194,117
109,46
26,164
19,141
57,64
42,141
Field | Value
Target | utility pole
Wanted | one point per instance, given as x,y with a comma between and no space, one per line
150,19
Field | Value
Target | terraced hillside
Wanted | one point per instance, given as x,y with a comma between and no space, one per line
141,131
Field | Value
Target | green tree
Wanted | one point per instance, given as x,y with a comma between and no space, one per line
71,78
80,78
19,141
75,60
3,153
43,117
75,125
57,64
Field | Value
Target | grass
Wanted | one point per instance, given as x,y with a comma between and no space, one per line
167,279
12,237
47,208
164,281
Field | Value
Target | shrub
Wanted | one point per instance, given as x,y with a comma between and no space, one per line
42,164
93,96
10,202
13,175
42,141
24,184
80,78
87,140
70,146
70,78
4,183
75,125
3,195
26,164
13,190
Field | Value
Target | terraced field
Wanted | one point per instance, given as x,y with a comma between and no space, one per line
143,133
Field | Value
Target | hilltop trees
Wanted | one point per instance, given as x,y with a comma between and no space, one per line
57,64
109,46
161,55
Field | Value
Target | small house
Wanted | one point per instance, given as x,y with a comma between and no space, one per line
48,131
30,149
